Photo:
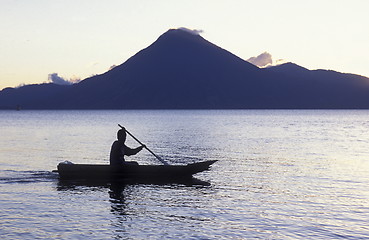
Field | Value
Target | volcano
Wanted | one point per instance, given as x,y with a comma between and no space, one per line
182,70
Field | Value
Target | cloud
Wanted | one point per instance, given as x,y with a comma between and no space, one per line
112,66
75,79
280,61
192,31
56,79
263,60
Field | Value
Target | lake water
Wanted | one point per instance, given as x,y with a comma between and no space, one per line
280,175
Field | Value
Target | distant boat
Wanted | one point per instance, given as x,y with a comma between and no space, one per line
131,171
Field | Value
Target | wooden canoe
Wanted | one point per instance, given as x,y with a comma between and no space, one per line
131,171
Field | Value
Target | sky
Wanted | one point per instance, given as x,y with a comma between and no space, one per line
43,40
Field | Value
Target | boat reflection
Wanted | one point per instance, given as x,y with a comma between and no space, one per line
103,183
129,200
118,202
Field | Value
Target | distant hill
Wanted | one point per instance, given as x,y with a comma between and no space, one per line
322,89
181,70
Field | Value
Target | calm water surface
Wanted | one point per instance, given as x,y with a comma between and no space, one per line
280,175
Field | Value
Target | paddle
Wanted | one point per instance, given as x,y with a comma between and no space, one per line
130,134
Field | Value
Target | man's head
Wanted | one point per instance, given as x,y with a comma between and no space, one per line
121,135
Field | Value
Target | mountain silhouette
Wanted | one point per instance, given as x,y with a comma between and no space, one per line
182,70
322,89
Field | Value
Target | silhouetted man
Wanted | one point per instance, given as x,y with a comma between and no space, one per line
119,149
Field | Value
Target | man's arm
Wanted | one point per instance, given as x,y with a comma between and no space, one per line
132,151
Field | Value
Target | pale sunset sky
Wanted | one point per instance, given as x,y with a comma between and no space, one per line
80,38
